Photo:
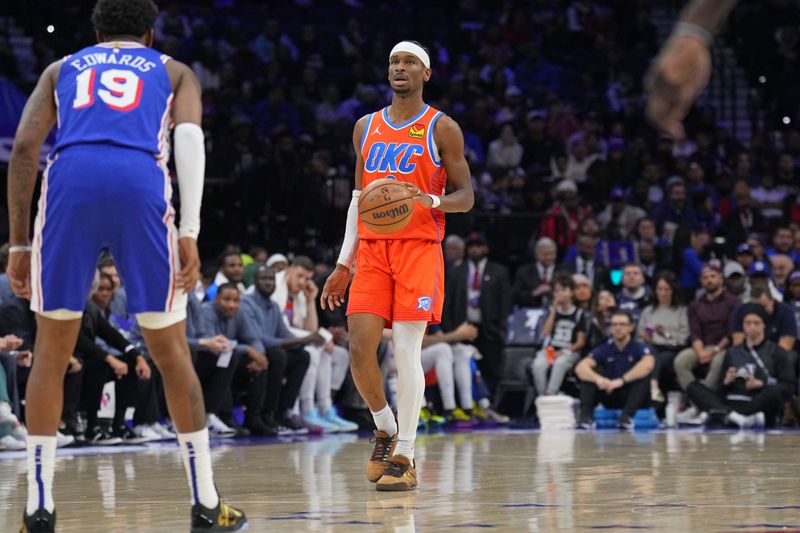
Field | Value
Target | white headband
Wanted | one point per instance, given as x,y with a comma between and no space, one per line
414,49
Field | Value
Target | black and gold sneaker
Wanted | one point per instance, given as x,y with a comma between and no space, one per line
40,521
223,517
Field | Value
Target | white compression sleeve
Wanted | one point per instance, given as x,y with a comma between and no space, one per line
350,243
190,163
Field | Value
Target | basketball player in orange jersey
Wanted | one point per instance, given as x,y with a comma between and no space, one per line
399,280
681,71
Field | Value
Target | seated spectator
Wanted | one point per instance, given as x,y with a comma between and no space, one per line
278,263
452,359
781,327
646,236
288,361
453,247
664,326
619,217
635,294
562,222
736,281
584,294
99,366
709,321
296,293
693,262
259,256
782,266
564,331
532,281
743,220
478,292
782,242
245,366
768,198
585,263
616,374
505,152
119,299
674,211
599,321
231,270
758,379
760,275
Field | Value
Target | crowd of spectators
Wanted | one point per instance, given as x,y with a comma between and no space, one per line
582,210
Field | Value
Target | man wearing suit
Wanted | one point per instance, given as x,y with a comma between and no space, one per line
478,291
532,282
584,263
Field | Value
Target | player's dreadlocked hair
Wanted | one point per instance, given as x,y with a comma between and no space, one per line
124,17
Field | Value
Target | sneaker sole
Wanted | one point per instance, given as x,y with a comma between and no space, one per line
394,487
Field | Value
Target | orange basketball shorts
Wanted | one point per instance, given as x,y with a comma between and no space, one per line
399,280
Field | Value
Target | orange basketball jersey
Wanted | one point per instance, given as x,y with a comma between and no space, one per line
405,152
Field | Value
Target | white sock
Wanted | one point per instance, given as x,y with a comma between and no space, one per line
41,465
484,403
405,446
197,461
407,340
384,420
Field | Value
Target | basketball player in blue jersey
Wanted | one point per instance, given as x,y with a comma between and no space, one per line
107,185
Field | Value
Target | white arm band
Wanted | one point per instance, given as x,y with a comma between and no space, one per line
350,243
190,164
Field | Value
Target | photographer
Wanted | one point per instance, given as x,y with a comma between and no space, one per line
758,378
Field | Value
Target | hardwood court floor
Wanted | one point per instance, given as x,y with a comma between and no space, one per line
673,481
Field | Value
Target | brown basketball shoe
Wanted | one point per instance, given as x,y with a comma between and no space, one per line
401,474
384,448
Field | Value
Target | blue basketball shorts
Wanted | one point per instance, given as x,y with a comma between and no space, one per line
102,196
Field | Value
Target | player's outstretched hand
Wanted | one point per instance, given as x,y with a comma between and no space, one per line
19,273
190,263
419,196
678,75
335,287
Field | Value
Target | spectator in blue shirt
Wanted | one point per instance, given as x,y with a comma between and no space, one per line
287,359
616,373
693,263
247,363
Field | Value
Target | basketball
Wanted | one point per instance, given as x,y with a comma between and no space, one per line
386,206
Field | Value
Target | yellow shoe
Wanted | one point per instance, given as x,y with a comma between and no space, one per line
379,461
401,474
458,415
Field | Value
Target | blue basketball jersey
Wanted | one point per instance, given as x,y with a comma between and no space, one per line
115,93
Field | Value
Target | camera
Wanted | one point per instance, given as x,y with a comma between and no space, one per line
742,373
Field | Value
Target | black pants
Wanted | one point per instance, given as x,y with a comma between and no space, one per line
492,362
254,387
95,375
149,398
768,400
664,357
216,381
630,397
287,368
72,399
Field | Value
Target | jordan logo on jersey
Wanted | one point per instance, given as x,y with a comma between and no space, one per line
392,157
417,131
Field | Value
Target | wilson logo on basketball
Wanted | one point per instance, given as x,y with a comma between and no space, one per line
393,212
417,131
